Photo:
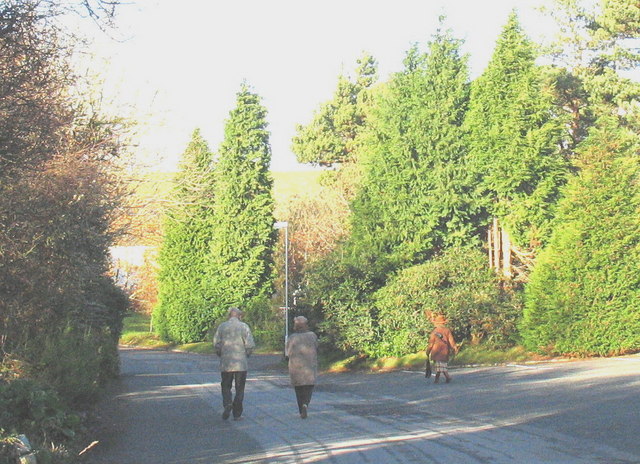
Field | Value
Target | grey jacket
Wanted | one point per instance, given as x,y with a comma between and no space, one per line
302,349
233,342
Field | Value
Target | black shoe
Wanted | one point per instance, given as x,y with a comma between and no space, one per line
227,412
303,413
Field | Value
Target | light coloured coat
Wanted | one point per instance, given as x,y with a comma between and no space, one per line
233,342
302,349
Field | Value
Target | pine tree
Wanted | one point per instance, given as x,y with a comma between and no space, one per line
584,293
240,265
184,311
331,137
595,49
414,198
514,139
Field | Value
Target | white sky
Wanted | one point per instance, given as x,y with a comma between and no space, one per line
179,65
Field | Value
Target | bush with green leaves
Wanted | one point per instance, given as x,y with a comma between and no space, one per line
339,299
584,293
458,284
28,408
266,322
76,362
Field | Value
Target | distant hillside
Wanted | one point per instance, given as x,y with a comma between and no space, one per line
287,185
153,191
157,185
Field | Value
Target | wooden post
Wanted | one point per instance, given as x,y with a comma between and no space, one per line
496,243
490,246
506,254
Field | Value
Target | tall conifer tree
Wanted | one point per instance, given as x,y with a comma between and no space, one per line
514,139
584,293
240,267
414,198
331,137
183,313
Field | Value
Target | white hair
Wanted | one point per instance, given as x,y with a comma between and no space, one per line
234,312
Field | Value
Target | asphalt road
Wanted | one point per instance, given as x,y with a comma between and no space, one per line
166,409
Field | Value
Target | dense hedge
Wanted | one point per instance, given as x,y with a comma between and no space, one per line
584,294
459,285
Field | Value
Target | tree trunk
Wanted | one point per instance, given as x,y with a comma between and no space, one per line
490,246
496,243
506,254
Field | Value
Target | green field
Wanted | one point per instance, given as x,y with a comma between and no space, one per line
156,186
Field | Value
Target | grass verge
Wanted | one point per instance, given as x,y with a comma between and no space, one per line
476,355
136,333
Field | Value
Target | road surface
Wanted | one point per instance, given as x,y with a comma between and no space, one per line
166,409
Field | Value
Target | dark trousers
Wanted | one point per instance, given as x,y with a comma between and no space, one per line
303,395
228,378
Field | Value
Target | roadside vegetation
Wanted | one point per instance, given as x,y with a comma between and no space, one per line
507,203
441,194
60,193
136,333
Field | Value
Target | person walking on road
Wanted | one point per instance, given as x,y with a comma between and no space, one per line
233,343
302,350
441,346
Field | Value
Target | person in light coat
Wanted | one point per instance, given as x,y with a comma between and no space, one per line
302,350
233,343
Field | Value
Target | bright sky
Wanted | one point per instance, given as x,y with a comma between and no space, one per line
179,65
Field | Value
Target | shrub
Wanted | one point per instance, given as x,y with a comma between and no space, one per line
76,363
459,285
584,293
27,407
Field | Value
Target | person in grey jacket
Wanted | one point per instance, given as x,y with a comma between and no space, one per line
233,343
302,350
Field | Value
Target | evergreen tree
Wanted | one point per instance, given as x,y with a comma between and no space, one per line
584,293
184,311
414,198
514,139
331,137
591,55
240,264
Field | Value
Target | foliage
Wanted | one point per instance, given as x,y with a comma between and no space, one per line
583,297
318,221
514,139
593,51
28,408
459,285
239,265
266,322
184,311
414,196
59,193
76,363
337,294
331,138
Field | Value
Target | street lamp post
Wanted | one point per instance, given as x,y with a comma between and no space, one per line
285,225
